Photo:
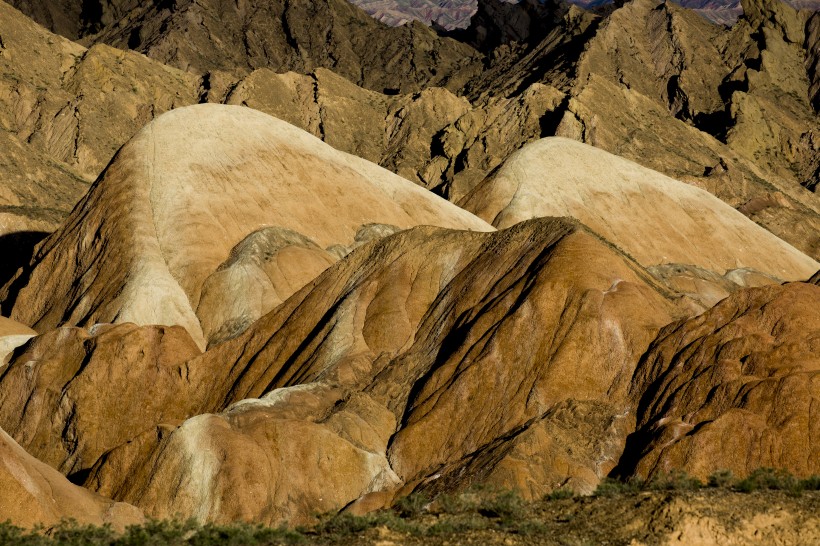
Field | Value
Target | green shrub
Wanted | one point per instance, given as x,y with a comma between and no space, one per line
412,505
507,506
158,533
11,534
675,480
70,533
768,478
721,478
344,525
243,535
531,527
559,494
610,487
812,483
454,504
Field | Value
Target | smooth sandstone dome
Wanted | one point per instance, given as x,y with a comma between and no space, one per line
181,195
656,219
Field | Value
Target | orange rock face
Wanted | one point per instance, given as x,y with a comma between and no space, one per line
425,359
36,494
69,395
734,388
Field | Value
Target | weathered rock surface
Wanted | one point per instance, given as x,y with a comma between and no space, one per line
813,59
84,393
12,335
500,22
402,360
36,494
434,138
75,18
64,112
73,108
654,218
381,362
77,105
741,124
645,65
658,84
169,210
749,364
203,36
272,264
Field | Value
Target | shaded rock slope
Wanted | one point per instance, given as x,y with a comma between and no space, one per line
749,363
302,35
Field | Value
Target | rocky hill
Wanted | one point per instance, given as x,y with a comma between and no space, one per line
266,260
282,35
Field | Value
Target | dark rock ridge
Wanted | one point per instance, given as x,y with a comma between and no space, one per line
301,35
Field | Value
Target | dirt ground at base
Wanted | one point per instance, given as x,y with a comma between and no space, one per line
704,517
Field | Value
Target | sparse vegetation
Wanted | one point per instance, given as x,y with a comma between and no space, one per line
559,494
777,480
676,480
420,519
412,505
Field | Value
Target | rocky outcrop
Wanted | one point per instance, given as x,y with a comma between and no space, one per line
748,364
724,114
78,106
75,384
499,22
447,14
381,361
36,494
203,36
12,335
64,112
654,218
159,224
434,138
37,194
812,46
75,18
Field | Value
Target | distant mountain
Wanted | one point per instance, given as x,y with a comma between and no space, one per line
448,14
453,14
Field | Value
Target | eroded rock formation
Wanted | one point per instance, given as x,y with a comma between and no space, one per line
158,224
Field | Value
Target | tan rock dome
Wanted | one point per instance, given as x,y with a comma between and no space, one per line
177,199
654,218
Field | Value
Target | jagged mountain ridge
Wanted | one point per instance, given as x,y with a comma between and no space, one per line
283,35
452,14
